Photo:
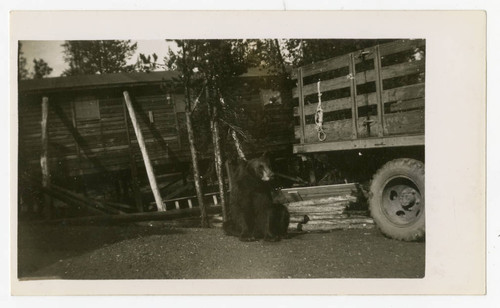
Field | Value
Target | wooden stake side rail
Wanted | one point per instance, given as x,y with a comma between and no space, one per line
385,105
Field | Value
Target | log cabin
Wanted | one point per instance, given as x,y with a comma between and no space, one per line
91,147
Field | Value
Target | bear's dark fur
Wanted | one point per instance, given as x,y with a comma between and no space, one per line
252,214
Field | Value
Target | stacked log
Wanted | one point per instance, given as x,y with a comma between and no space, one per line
326,214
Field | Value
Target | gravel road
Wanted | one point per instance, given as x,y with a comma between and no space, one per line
157,250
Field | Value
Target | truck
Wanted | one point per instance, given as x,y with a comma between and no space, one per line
364,113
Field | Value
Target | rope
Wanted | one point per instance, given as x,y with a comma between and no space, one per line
318,117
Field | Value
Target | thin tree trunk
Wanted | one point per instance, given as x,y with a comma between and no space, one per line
205,223
214,124
237,144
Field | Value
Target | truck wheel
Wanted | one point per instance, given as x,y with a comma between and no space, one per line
397,199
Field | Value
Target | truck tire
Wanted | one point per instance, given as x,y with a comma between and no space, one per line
397,199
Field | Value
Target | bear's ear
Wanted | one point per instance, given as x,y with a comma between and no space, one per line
265,154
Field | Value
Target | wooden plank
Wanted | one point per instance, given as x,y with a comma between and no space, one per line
402,106
404,93
133,167
326,85
386,141
403,69
323,66
147,216
327,106
328,227
149,168
301,107
341,221
322,188
409,122
399,46
295,218
335,130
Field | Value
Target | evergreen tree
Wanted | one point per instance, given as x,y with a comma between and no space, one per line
98,57
41,69
22,71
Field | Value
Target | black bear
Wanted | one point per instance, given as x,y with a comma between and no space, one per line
252,213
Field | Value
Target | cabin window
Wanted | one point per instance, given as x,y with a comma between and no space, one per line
87,108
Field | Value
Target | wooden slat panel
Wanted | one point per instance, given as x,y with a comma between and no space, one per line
400,45
405,122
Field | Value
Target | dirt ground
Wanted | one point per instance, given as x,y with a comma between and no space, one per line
158,250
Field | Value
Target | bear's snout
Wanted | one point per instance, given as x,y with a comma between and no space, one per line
267,174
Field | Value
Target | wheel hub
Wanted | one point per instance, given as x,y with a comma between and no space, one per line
402,202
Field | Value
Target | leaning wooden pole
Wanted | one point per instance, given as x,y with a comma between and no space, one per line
205,223
44,162
142,145
133,166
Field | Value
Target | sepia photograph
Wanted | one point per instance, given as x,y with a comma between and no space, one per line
231,159
245,158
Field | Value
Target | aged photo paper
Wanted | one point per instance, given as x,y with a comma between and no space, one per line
455,136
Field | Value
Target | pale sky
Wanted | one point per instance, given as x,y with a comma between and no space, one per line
52,52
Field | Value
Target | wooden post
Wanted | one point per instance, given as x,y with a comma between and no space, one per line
354,94
170,100
78,150
142,144
380,89
194,159
301,106
133,166
44,162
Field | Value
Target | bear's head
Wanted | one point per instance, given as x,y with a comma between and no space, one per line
260,167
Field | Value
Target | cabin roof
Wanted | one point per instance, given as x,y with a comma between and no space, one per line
94,81
110,80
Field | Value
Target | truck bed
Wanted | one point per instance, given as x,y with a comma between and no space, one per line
370,98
